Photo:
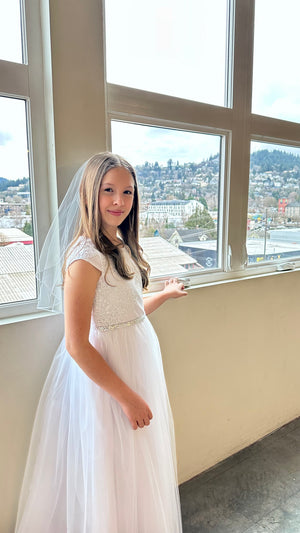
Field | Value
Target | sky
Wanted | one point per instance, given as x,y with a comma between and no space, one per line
172,50
145,143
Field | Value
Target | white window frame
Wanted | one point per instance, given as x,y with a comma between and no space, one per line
236,124
31,81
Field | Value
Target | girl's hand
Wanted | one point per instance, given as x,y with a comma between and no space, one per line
137,411
174,288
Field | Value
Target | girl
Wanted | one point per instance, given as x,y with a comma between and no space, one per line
102,456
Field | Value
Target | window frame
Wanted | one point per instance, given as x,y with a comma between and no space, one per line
31,81
236,123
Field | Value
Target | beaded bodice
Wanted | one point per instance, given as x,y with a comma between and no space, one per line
117,301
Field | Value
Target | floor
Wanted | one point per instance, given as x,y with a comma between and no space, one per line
255,491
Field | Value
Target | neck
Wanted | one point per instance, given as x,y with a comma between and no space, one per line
113,237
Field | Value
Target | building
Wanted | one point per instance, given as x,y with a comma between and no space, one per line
175,211
293,210
13,236
274,248
167,259
17,273
282,203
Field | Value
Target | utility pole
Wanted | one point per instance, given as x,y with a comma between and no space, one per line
265,238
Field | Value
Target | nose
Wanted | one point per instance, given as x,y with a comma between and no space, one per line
118,199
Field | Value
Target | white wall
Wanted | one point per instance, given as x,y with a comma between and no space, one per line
27,349
231,357
230,351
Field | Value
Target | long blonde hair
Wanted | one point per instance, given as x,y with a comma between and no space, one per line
90,222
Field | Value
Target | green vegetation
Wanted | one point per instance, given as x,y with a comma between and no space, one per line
27,228
202,220
277,160
5,183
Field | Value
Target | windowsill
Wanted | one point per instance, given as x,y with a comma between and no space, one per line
218,278
199,281
25,317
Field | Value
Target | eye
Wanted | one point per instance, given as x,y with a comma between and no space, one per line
128,192
107,189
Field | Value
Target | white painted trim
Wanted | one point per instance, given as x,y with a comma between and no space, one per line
33,83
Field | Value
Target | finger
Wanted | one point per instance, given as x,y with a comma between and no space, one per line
140,423
146,422
134,425
150,415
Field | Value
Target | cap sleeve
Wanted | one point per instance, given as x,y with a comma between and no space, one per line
84,249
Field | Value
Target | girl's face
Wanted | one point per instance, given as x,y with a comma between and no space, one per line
115,198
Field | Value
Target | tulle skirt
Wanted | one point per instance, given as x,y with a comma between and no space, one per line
88,471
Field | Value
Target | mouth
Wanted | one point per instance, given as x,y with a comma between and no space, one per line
116,213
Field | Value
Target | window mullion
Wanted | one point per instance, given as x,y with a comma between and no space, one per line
135,103
240,155
13,79
276,130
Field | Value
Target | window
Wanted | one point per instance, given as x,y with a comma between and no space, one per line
276,77
180,163
179,182
24,154
11,31
210,74
181,48
17,281
274,203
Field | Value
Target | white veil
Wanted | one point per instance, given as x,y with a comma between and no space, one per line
59,237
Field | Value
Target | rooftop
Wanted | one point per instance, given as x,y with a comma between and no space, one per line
17,273
165,258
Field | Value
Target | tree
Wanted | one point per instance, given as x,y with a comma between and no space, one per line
269,201
202,220
203,202
28,228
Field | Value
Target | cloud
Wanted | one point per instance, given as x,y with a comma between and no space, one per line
140,143
4,138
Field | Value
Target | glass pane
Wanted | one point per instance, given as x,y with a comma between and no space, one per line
276,76
179,183
17,270
169,47
274,203
10,31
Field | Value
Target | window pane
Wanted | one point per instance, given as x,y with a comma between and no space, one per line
276,76
171,47
17,270
10,31
274,203
179,183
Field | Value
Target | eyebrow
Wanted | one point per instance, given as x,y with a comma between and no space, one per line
112,185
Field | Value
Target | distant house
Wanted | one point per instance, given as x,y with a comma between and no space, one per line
17,273
171,210
293,209
282,203
166,259
13,236
178,236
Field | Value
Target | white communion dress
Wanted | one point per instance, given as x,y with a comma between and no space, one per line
88,471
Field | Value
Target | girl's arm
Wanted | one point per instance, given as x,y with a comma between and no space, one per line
79,291
172,289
